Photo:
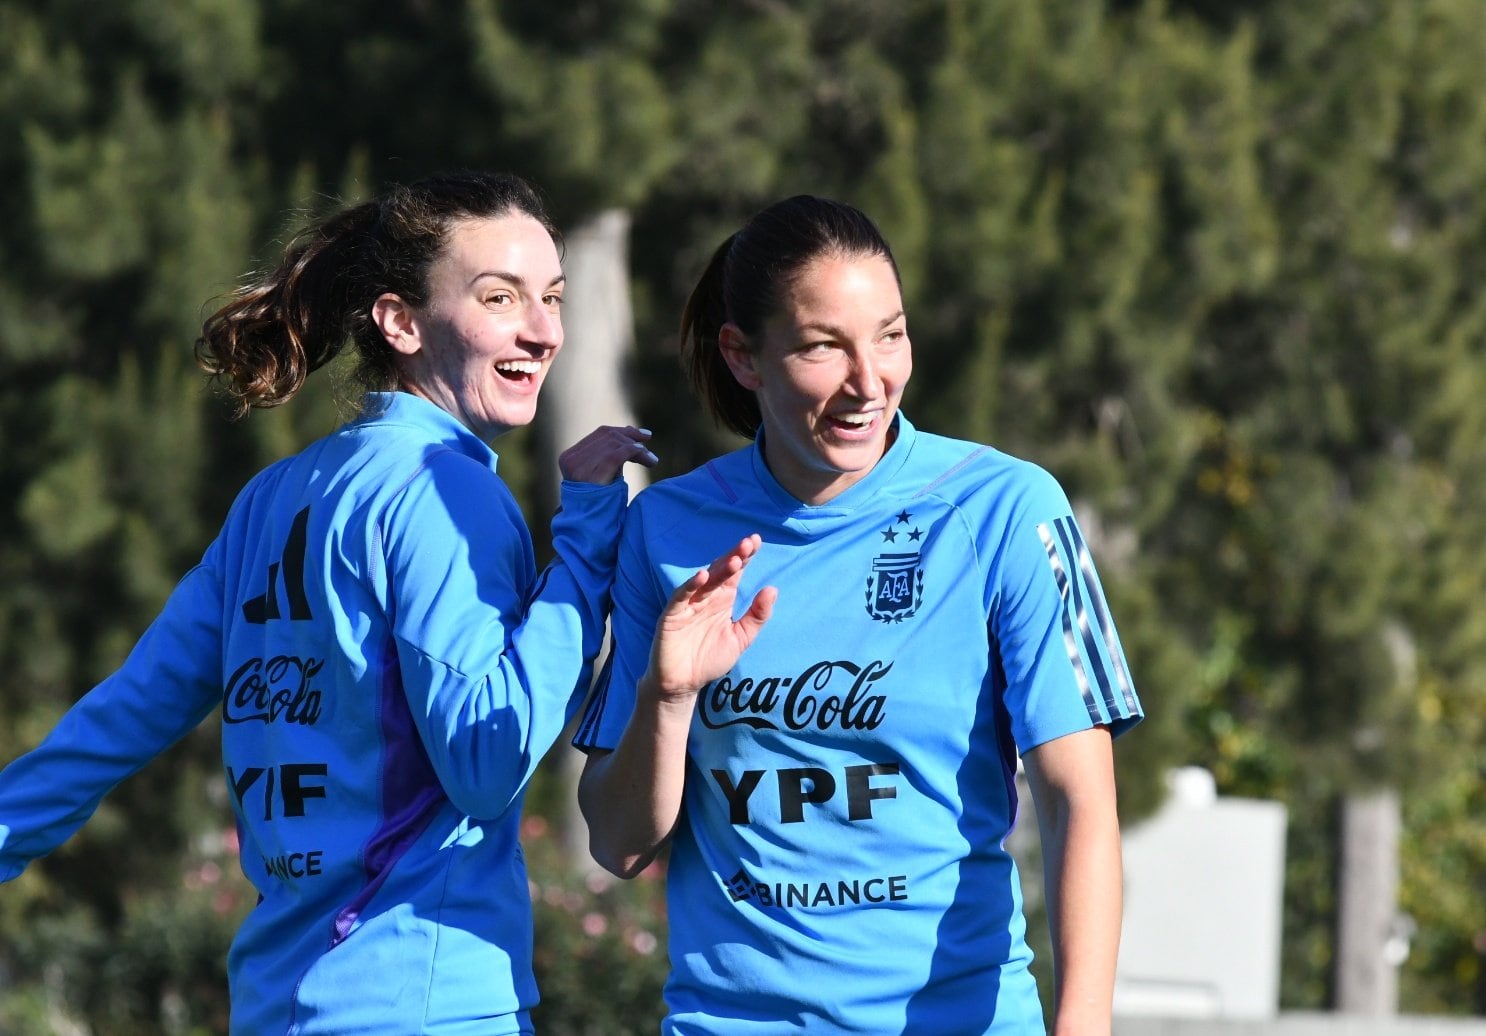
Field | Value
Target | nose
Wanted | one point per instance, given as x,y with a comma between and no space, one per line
543,325
862,378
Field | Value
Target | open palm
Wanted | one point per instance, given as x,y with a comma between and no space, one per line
697,639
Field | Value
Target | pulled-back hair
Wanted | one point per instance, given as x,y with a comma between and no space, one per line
279,327
745,281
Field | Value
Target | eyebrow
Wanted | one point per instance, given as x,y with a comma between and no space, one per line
832,329
512,278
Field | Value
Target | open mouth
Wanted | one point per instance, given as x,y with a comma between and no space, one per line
853,423
522,372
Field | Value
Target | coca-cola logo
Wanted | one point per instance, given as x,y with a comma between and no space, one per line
273,690
824,696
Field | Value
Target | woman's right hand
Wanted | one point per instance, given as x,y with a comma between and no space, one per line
600,455
697,639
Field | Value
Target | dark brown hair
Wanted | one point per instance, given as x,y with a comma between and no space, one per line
279,327
745,280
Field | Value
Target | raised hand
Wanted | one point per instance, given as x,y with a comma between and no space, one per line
697,640
600,455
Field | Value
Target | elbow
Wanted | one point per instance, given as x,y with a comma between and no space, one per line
632,865
612,851
479,807
484,795
616,865
605,855
622,865
620,840
621,861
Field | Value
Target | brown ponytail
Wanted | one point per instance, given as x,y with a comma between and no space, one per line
262,344
729,403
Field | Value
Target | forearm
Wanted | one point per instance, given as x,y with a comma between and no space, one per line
168,684
631,797
1084,888
493,661
1073,788
576,585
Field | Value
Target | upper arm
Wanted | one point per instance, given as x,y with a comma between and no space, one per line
459,564
1050,623
1074,767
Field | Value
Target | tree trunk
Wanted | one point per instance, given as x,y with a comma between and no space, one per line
585,390
1370,942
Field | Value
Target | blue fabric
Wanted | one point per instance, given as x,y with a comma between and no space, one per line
840,864
390,667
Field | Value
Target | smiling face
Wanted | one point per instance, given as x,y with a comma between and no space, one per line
828,371
481,346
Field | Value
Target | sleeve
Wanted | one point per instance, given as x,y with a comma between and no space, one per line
1050,625
638,602
169,683
494,658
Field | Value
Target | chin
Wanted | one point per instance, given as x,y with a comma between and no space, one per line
516,417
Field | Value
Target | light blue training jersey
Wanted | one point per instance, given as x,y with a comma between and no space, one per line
840,863
389,668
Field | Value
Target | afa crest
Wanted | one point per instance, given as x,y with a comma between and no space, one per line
895,589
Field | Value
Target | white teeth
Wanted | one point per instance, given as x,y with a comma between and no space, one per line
857,419
520,366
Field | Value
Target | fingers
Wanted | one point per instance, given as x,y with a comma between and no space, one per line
735,559
722,574
762,606
643,455
758,613
729,566
601,454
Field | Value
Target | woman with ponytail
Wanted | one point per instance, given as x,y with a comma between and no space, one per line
388,664
833,769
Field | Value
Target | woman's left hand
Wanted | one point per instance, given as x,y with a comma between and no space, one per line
600,455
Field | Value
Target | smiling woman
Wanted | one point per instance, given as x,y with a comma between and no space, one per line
388,664
833,768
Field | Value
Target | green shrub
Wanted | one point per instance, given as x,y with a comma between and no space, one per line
600,943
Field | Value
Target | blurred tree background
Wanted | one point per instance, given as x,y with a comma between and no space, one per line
1215,264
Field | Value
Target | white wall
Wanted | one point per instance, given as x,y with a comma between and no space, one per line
1204,886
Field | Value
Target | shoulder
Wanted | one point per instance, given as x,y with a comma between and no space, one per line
725,480
400,437
261,494
974,475
436,482
385,454
393,470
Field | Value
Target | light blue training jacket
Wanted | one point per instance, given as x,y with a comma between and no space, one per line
389,668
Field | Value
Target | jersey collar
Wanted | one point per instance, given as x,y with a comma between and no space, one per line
881,476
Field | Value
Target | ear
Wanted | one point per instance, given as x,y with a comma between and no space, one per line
395,319
739,356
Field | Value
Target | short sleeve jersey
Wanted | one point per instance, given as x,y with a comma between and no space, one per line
840,866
